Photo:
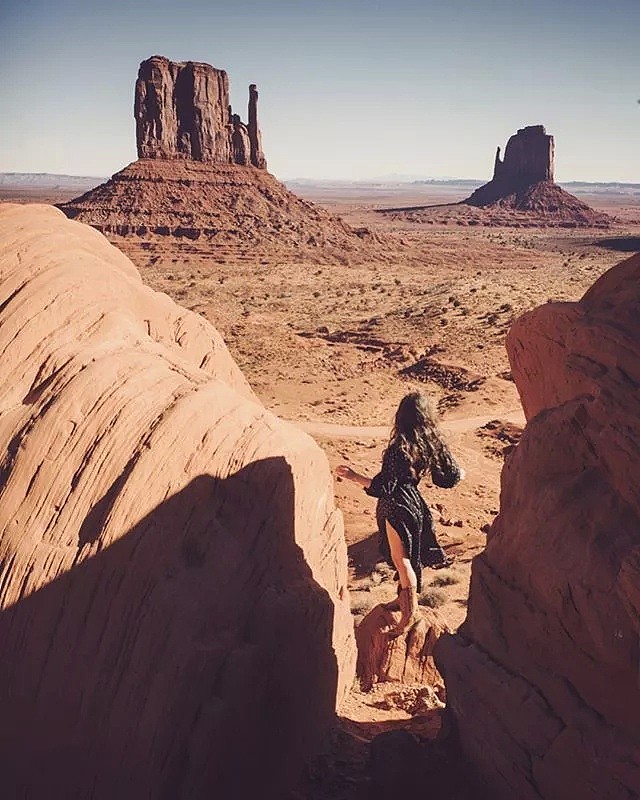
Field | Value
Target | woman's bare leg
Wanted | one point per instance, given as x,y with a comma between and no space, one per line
408,597
406,572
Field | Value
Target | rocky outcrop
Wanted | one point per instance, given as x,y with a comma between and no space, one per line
404,659
172,565
543,674
524,181
202,175
255,139
220,204
182,111
528,159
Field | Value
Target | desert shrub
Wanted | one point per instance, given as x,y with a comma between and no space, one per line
381,572
444,579
433,598
385,570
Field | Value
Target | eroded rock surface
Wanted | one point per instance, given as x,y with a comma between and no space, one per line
174,617
201,175
528,159
543,675
404,659
216,204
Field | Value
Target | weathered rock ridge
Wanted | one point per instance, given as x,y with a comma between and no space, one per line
524,181
182,110
174,620
219,203
543,674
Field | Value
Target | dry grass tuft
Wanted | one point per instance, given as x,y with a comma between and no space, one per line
432,598
445,579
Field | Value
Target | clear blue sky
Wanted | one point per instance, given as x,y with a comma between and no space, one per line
348,88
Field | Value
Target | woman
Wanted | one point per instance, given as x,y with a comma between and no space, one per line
405,524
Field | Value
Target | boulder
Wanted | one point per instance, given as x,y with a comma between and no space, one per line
543,674
174,618
408,659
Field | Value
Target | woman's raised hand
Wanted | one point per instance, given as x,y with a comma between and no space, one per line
344,471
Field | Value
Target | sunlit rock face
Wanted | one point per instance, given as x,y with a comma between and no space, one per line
201,176
173,603
182,111
543,675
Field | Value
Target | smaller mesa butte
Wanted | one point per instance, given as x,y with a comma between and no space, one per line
524,181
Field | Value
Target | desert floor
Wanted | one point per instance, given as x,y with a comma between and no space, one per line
334,347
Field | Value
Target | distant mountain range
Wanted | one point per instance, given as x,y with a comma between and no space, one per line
470,182
82,183
47,180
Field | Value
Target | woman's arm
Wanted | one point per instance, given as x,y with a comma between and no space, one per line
345,471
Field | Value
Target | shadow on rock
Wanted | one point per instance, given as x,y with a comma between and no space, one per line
192,658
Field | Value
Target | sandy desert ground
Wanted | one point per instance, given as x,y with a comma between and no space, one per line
335,347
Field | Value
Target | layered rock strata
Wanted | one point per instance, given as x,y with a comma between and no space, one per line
174,620
225,203
182,111
543,674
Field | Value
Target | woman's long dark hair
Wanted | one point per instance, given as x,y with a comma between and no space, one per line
415,432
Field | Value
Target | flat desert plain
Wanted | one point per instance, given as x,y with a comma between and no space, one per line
334,346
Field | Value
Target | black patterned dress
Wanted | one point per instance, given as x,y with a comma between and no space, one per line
401,504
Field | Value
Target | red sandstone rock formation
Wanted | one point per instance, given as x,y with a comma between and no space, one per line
405,659
226,204
524,181
174,620
543,675
202,175
255,139
528,159
182,111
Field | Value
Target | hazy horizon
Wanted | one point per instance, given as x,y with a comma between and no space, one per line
349,90
374,179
